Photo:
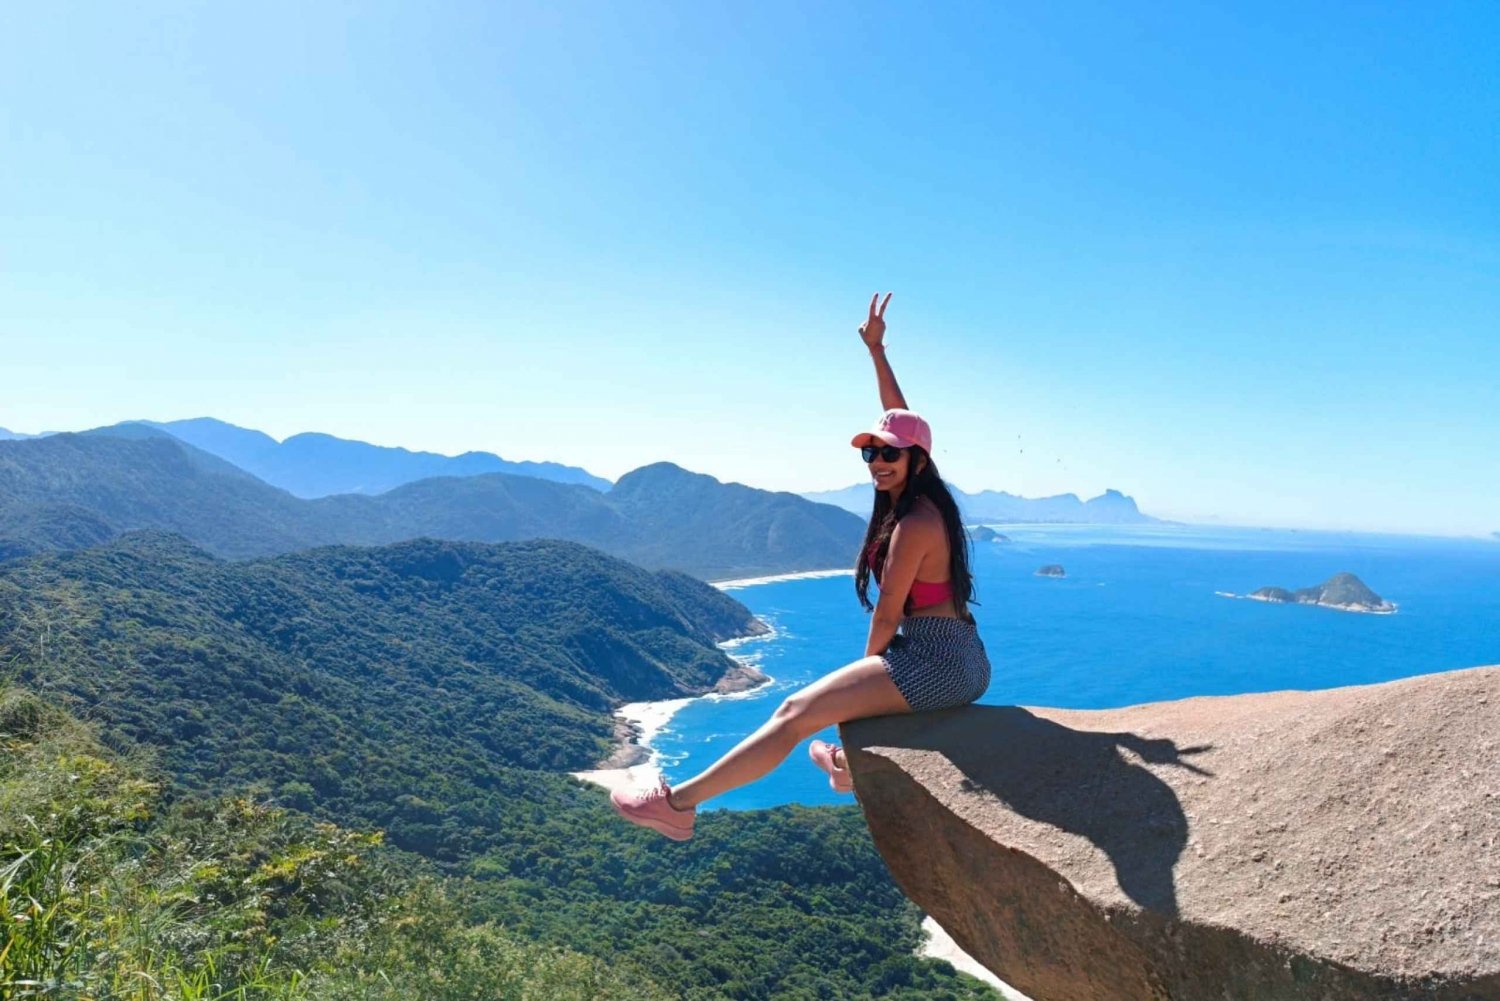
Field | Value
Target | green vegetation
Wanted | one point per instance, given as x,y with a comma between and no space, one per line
732,530
109,891
431,691
103,897
399,687
69,490
1342,590
787,903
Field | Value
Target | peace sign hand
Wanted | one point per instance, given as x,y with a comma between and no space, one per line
872,331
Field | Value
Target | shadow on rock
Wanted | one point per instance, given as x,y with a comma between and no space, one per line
1080,781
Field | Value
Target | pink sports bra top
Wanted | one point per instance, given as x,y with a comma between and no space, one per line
924,593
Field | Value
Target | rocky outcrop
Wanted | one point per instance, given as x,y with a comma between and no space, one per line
1342,591
1051,570
741,678
1333,845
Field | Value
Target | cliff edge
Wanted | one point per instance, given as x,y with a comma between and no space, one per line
1339,844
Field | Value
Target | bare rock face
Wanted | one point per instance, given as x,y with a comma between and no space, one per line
1340,845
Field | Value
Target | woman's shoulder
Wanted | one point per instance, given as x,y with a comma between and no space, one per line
927,510
924,518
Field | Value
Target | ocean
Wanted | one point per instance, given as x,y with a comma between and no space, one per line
1140,616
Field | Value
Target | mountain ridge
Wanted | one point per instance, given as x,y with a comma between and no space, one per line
66,490
312,464
1109,508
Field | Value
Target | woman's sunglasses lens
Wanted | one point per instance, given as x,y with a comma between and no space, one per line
889,453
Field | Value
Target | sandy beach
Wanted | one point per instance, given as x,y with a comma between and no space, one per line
634,762
642,721
940,945
730,585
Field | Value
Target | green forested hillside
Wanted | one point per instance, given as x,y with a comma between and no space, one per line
792,902
68,490
109,892
739,530
112,890
155,481
430,691
395,687
39,527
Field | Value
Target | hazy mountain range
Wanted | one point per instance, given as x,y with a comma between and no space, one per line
239,493
319,465
66,491
1109,508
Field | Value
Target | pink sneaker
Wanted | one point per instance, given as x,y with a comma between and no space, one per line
649,808
822,755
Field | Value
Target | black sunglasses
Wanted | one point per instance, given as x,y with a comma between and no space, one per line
888,453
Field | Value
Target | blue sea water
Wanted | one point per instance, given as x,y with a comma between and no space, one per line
1136,619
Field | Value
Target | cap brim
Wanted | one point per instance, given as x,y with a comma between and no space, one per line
871,437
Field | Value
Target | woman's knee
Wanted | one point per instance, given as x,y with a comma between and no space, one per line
861,689
795,717
792,708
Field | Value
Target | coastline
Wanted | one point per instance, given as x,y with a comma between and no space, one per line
731,585
634,762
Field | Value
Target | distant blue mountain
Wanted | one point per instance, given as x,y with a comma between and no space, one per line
315,465
70,491
13,435
1109,508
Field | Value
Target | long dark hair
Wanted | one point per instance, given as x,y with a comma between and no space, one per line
883,519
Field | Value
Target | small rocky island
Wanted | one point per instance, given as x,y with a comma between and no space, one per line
982,533
1051,570
1342,591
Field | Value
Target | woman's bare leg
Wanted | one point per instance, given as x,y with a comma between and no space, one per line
852,692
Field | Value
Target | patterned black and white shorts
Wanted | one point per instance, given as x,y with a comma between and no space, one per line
937,662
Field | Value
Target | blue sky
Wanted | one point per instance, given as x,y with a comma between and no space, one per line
1241,262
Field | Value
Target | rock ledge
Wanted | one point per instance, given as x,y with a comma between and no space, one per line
1337,845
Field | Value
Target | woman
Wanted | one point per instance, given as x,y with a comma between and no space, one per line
923,651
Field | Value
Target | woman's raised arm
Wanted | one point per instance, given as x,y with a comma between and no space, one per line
872,332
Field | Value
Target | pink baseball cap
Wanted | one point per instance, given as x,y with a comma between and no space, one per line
902,428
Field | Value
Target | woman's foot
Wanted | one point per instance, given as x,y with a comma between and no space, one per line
651,808
830,758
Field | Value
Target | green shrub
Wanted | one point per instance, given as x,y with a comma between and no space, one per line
104,895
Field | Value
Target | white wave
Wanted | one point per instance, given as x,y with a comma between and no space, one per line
654,720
